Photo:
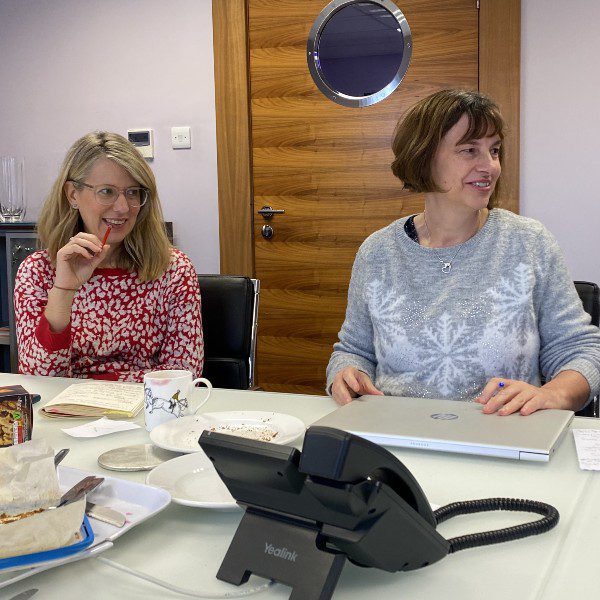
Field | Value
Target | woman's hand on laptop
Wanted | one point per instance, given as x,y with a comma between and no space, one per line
568,390
350,383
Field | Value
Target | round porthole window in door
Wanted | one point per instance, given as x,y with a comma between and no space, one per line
359,50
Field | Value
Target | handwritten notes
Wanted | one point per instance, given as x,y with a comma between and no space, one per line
97,399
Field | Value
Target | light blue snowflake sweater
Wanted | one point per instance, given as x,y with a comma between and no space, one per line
508,308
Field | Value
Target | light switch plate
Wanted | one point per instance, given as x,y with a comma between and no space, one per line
181,137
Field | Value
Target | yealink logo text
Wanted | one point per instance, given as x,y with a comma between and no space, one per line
280,552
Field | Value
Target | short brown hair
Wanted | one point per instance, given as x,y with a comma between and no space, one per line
146,249
419,132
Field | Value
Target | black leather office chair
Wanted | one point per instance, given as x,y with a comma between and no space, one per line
229,322
590,298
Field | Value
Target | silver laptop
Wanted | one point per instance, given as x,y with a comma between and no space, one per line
451,426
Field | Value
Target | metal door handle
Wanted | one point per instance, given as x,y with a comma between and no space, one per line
267,212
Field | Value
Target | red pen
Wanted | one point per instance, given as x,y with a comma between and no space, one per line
106,236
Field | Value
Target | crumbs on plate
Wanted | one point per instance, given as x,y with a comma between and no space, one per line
262,434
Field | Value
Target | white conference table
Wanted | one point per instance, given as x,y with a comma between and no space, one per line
185,545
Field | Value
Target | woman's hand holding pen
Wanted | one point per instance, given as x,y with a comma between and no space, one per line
75,263
568,390
350,383
77,260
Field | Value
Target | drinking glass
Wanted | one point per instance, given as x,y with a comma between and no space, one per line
12,197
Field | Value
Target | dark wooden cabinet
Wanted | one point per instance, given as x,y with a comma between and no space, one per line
17,241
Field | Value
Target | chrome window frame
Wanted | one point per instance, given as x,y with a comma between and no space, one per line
312,54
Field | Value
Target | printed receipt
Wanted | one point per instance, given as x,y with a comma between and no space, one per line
587,443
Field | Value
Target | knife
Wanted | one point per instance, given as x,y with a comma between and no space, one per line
105,514
60,455
80,489
25,595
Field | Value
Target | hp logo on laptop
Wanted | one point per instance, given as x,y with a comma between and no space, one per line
444,416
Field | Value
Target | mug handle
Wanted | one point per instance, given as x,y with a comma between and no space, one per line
209,388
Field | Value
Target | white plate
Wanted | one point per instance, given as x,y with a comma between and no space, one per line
192,481
181,435
138,502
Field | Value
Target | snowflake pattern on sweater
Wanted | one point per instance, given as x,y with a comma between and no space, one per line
507,309
449,352
120,326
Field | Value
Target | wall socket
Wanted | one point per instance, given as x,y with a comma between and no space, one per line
181,137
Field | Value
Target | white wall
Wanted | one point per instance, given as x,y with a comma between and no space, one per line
71,66
560,126
68,67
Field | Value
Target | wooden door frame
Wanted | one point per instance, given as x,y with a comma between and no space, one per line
499,77
234,148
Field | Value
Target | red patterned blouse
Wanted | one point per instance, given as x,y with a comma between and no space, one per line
120,327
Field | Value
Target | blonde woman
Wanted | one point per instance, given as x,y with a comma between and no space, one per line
111,310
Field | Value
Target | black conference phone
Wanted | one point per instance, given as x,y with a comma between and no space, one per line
342,497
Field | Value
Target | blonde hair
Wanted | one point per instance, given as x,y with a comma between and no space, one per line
146,249
419,132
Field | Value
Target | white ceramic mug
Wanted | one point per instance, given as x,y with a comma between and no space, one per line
166,395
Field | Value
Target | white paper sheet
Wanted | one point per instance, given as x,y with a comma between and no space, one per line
100,427
587,443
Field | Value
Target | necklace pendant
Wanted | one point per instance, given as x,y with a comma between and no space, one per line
446,268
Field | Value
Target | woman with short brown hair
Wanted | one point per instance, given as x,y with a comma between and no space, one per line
463,301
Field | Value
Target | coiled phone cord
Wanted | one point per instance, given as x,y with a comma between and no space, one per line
547,522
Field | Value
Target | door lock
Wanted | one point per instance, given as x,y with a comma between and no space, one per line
267,232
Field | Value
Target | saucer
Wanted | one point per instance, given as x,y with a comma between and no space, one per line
192,481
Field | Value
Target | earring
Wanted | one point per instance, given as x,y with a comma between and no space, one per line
74,205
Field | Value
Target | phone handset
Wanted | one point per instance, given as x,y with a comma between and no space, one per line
340,456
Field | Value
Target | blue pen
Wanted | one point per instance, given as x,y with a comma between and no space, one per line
501,386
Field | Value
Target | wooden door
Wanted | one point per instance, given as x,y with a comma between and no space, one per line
328,167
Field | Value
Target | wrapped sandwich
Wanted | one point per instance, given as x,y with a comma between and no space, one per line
28,492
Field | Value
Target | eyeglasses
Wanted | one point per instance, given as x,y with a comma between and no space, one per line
107,195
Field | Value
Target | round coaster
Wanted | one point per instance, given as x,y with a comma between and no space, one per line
141,457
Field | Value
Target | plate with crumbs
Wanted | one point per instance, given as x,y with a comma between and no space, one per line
181,435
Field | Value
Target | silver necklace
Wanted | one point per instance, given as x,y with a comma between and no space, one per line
446,264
